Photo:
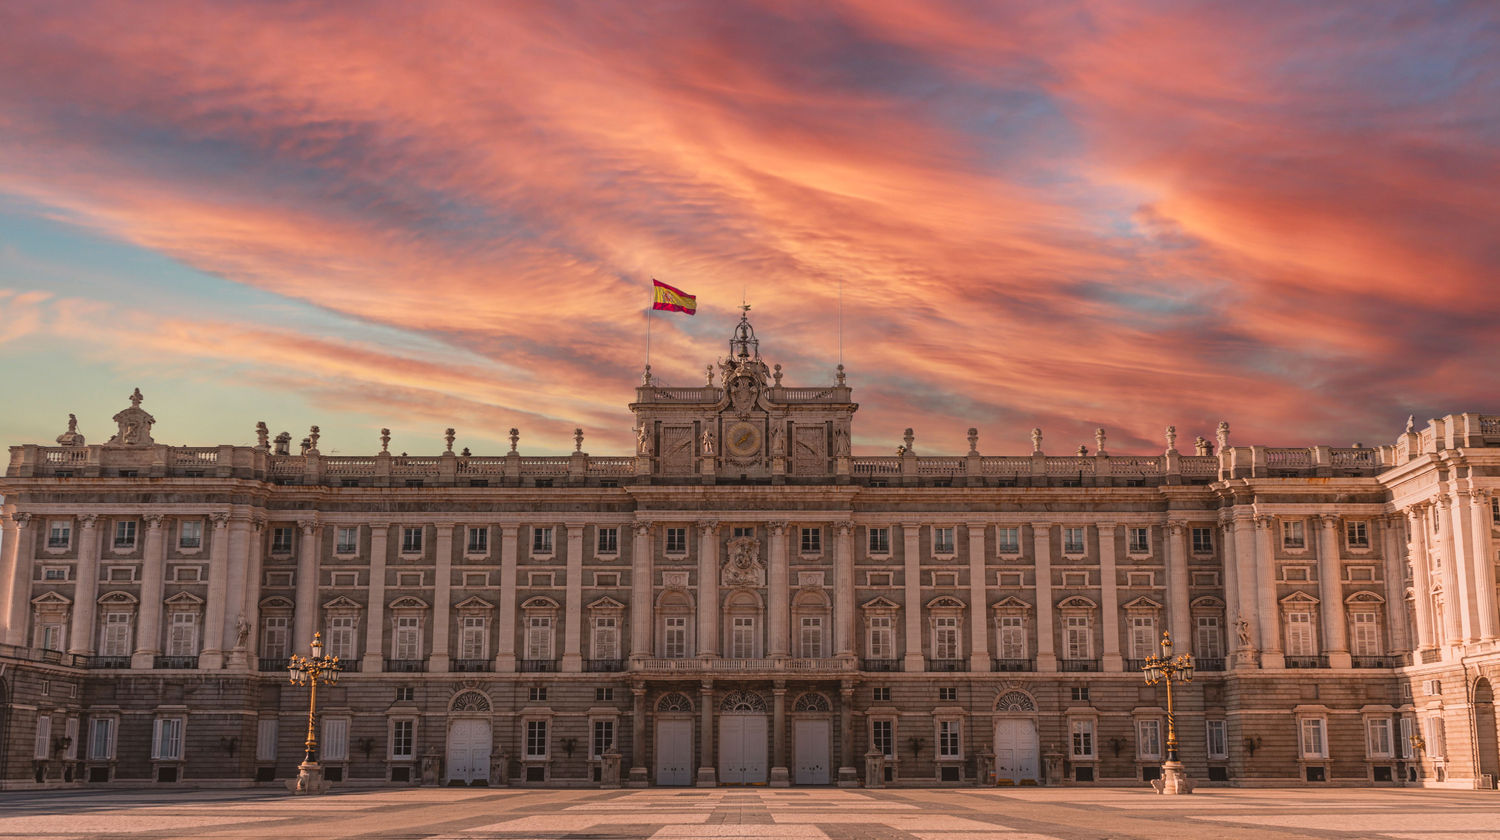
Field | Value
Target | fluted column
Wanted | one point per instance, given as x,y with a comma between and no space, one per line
153,566
306,609
847,774
572,659
1109,595
912,579
708,589
1231,588
212,655
18,547
1453,608
505,646
374,658
442,598
642,600
86,588
1271,655
779,583
707,771
1179,614
637,732
244,593
779,775
1331,593
1046,629
1245,537
843,584
1484,564
1395,590
1421,582
979,637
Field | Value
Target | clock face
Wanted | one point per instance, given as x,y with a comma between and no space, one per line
742,439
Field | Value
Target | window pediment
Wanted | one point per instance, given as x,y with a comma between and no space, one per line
1078,602
118,599
944,602
606,604
1299,599
408,602
1011,603
339,603
277,602
880,604
541,602
1207,602
184,600
1142,604
52,599
1364,597
473,603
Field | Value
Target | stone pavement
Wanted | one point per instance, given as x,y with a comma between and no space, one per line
733,813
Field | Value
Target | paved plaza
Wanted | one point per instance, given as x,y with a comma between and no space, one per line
733,813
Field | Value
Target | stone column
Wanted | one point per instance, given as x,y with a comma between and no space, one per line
505,645
642,597
1179,612
848,776
843,584
1331,593
1109,595
306,609
1453,628
779,775
638,774
442,599
19,547
86,588
244,593
708,589
153,567
212,655
1231,589
374,658
1416,554
778,580
1046,631
1271,655
912,573
1461,537
1245,536
572,659
707,769
1395,590
1484,564
979,637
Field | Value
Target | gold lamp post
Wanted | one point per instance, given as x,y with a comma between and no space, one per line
1166,668
310,671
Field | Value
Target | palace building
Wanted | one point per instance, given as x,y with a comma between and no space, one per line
742,601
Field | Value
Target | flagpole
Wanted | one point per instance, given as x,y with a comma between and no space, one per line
648,335
841,321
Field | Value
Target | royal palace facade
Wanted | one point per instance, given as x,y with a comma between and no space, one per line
742,601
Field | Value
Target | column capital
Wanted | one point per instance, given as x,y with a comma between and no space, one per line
706,687
1176,527
258,522
845,528
19,519
507,529
1264,521
308,525
444,523
708,526
1444,502
1328,520
87,521
1481,493
778,527
153,520
220,518
643,528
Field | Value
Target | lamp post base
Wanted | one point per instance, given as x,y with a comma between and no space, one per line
1174,779
309,779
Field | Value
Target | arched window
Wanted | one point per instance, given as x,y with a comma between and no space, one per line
674,625
743,701
1015,700
810,621
674,703
812,702
743,628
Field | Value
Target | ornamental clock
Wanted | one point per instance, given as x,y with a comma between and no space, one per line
742,439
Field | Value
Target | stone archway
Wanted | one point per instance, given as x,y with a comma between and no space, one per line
470,738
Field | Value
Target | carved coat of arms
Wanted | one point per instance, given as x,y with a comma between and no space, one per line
744,567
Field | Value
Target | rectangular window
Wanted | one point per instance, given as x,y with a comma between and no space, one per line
949,740
43,736
609,541
1314,745
942,541
1203,541
1148,739
1378,737
266,732
947,694
281,540
403,734
1299,634
1078,693
1495,509
275,637
59,534
1357,534
606,637
881,694
166,739
411,540
346,540
604,693
677,541
1078,641
1072,540
812,540
1218,738
1436,738
1083,738
125,534
1142,636
479,541
1209,640
335,743
536,694
883,737
1140,541
51,637
674,641
405,694
1293,535
190,534
880,540
603,738
473,637
101,739
882,643
408,642
1406,729
539,637
182,637
541,540
1013,637
810,637
114,636
536,739
1009,540
54,573
945,637
341,636
1366,641
742,637
746,531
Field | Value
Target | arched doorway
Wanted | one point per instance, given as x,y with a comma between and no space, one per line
1484,724
674,740
743,734
1017,753
812,739
469,739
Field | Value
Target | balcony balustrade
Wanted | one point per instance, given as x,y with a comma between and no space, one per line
1204,664
1307,661
539,666
1079,665
174,663
880,665
473,666
604,665
405,666
1376,662
273,663
1014,665
948,665
107,662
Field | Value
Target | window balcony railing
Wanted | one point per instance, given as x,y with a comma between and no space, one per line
174,662
539,666
349,666
473,666
604,665
406,666
1376,661
1137,664
1208,664
1431,655
1307,661
880,665
274,663
1015,665
1079,665
947,664
110,662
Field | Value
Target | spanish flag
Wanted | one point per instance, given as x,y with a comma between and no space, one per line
672,300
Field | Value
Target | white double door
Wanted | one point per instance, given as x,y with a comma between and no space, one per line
812,741
742,749
674,751
1016,752
469,751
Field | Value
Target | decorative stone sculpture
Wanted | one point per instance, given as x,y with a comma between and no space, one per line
776,376
577,440
646,376
385,440
1099,440
449,436
71,437
643,440
1036,441
515,438
1171,438
262,436
313,434
708,443
839,376
134,424
973,441
1223,435
242,632
907,437
284,443
744,567
778,439
841,440
1242,629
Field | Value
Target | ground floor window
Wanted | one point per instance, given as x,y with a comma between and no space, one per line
536,739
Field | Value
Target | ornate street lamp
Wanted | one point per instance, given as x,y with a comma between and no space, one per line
1166,668
310,671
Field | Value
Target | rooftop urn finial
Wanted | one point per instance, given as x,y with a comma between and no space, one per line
744,345
1201,446
135,398
646,376
708,373
839,375
1099,440
515,437
1171,438
1083,450
262,436
284,443
313,434
1036,441
385,440
907,437
449,436
1223,435
973,441
578,440
777,375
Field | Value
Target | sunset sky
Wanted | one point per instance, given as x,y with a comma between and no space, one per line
1054,214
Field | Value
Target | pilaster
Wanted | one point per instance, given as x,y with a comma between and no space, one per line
306,609
442,597
374,658
779,585
505,647
1484,564
86,587
979,637
153,566
572,659
1331,593
1046,628
16,555
911,556
642,602
843,584
1179,616
708,589
1109,596
1271,655
212,656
